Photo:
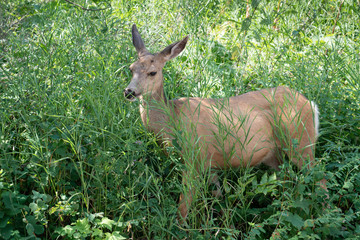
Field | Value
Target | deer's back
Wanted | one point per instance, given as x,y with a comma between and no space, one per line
240,130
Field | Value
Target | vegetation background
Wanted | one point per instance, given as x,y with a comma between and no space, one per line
76,162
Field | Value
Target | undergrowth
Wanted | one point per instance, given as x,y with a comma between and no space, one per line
77,163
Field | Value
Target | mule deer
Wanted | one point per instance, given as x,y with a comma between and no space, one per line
243,130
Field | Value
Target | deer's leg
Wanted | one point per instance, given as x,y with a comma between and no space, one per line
215,180
307,157
272,160
186,198
185,202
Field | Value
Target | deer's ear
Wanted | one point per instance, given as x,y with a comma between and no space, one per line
138,42
174,49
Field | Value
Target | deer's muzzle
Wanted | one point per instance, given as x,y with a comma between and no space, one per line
129,94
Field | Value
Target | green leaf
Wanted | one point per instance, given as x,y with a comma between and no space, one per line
273,178
176,144
33,207
357,230
295,220
7,200
31,219
106,222
318,176
6,232
97,233
30,229
226,186
3,220
348,185
245,24
83,226
36,195
67,230
255,3
295,33
264,179
39,229
309,223
265,21
301,188
114,236
303,204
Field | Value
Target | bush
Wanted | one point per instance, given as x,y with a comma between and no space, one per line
77,163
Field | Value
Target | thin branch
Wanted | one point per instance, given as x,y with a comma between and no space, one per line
277,16
337,17
86,9
247,9
336,20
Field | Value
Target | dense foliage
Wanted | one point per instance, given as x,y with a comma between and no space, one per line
77,163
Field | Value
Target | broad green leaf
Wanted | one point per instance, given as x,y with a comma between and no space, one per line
83,226
114,236
67,230
106,222
97,233
264,179
295,220
348,185
33,207
39,229
30,229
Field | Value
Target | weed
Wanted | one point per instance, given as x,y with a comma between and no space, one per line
76,161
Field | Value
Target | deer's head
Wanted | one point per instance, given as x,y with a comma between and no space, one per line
147,76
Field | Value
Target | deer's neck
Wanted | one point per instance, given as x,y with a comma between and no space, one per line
154,111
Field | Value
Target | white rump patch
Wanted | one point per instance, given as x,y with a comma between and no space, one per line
316,118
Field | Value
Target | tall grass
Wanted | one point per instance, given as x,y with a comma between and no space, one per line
77,162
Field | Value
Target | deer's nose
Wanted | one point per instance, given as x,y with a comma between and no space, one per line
128,93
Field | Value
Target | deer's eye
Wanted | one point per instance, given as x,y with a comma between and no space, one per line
152,73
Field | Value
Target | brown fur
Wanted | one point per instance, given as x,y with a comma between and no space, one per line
252,128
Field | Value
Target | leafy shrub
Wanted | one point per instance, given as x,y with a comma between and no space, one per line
76,162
